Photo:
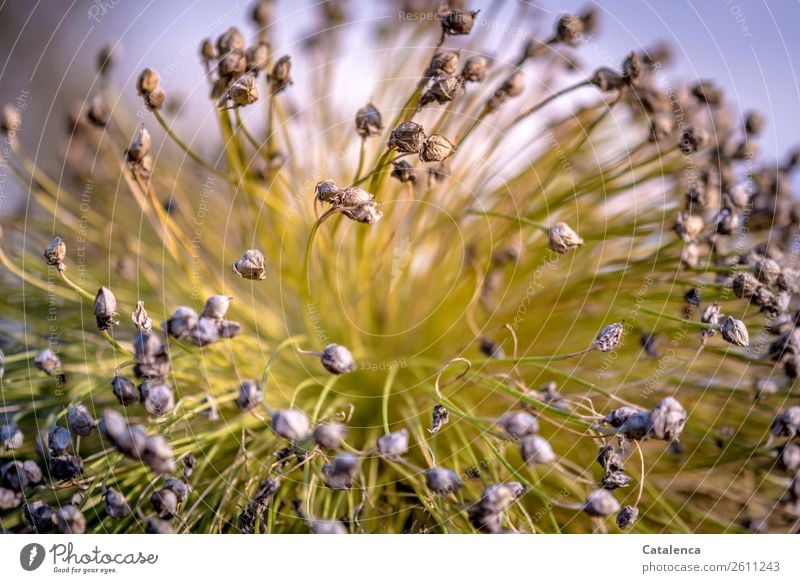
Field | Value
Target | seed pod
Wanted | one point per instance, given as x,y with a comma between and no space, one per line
59,440
112,424
181,323
250,265
165,503
442,481
124,390
55,253
619,416
9,499
745,285
115,503
614,480
403,171
569,30
637,426
242,92
728,221
158,526
18,475
250,395
608,338
189,463
337,359
627,516
279,78
148,347
106,58
442,89
231,66
141,319
80,420
735,332
208,52
497,498
444,63
787,423
393,444
339,473
38,516
600,503
140,146
768,271
754,123
327,191
408,138
290,424
329,435
65,467
257,57
609,459
47,361
440,417
230,40
328,527
157,397
436,148
632,68
458,22
474,70
368,121
147,82
707,92
513,86
70,520
518,424
180,488
154,100
10,436
216,307
205,332
485,521
105,306
536,450
563,238
158,454
227,329
694,139
367,213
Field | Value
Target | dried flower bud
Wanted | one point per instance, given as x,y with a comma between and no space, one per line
231,66
491,349
614,480
158,455
569,29
497,498
208,52
115,503
513,86
147,82
436,148
667,419
787,423
367,213
55,253
329,435
368,121
10,436
9,499
243,91
228,329
97,113
327,191
707,92
728,221
337,359
181,323
563,238
263,12
632,68
230,40
606,79
141,319
393,444
735,332
19,476
619,416
443,89
440,417
250,265
457,22
536,450
279,78
694,139
444,63
140,146
257,57
518,424
154,100
290,424
608,338
637,426
339,472
105,306
165,503
403,171
408,137
745,285
768,271
442,481
47,361
80,420
205,332
157,397
250,395
474,70
39,516
70,520
627,516
158,526
216,307
600,503
754,123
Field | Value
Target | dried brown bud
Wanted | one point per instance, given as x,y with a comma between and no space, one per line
242,92
368,121
513,86
141,319
154,100
442,90
632,68
367,213
147,82
403,171
47,361
257,57
250,265
279,78
709,93
569,29
339,473
327,191
216,307
444,63
627,516
754,123
606,79
115,503
105,306
80,420
667,419
563,238
231,66
208,52
250,395
735,332
436,148
140,146
608,338
456,22
230,40
55,253
440,417
408,137
474,70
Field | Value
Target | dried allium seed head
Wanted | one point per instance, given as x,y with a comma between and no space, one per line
70,520
339,472
609,459
257,57
608,338
250,395
216,307
290,424
444,63
147,82
329,435
208,52
456,22
105,308
327,191
231,66
80,420
735,332
140,146
337,359
141,319
606,79
667,419
403,171
280,78
97,113
436,148
474,70
442,481
47,361
408,138
10,437
56,252
250,265
518,424
115,503
536,450
563,238
787,423
230,40
600,503
368,121
393,444
627,516
242,92
154,100
124,390
158,397
569,29
181,323
367,213
443,89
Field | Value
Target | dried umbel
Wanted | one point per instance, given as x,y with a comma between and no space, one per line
251,265
435,149
105,308
563,239
330,435
290,424
408,138
250,395
337,359
536,450
393,444
368,121
55,253
47,361
735,332
80,420
457,22
518,424
165,503
242,92
339,472
600,503
280,78
608,338
442,481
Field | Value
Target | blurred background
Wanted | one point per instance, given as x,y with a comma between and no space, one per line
750,48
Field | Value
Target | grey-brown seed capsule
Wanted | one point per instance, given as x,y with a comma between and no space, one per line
115,503
608,338
158,397
279,78
536,450
141,319
231,66
403,171
250,265
474,70
442,481
242,92
368,121
216,307
47,361
637,426
442,89
627,516
619,416
9,499
55,253
124,390
745,285
444,63
600,503
140,146
367,213
337,359
569,29
208,52
688,226
257,57
250,395
180,488
667,419
632,68
408,138
230,40
609,459
329,435
439,418
563,238
436,148
158,454
105,308
181,323
70,520
19,476
147,82
497,498
39,516
518,424
787,423
327,191
228,329
10,436
789,457
393,444
754,123
154,100
165,503
735,332
80,420
458,22
339,472
614,480
290,424
705,91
